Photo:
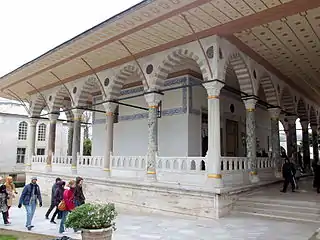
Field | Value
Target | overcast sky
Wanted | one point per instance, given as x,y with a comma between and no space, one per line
30,28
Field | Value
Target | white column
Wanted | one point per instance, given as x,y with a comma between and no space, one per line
70,138
214,177
250,104
31,141
153,99
275,138
315,143
110,108
52,140
292,137
77,113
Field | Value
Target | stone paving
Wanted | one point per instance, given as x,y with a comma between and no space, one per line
150,227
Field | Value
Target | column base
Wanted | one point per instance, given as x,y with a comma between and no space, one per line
107,172
74,170
214,181
253,177
48,168
151,176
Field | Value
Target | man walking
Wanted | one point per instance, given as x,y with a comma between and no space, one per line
79,198
53,190
288,176
29,196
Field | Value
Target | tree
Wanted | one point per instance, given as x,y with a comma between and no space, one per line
87,146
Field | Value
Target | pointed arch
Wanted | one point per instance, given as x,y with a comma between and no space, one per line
90,86
287,101
302,110
59,99
269,90
37,105
178,57
242,72
313,117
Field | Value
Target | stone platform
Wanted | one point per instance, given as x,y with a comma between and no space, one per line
150,227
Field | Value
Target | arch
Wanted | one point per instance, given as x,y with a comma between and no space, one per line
37,105
22,130
86,90
242,72
42,129
59,99
178,56
287,101
313,117
269,90
302,110
124,74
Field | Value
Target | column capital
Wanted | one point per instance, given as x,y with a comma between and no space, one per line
53,117
291,119
153,99
274,112
77,114
33,121
213,88
304,124
110,107
250,103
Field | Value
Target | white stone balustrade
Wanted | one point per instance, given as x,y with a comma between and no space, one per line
62,160
181,164
90,161
233,163
128,162
39,159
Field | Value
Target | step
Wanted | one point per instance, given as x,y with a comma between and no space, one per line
278,206
280,217
282,213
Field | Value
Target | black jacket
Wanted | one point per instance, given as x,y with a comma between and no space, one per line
287,170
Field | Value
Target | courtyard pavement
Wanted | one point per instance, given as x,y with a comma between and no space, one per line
150,227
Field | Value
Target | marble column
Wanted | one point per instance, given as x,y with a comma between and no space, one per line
315,143
292,137
214,177
31,141
70,138
305,143
110,108
275,138
250,105
153,99
52,140
77,113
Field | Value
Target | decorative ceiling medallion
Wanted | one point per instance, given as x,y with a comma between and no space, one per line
210,52
106,82
74,90
149,69
50,98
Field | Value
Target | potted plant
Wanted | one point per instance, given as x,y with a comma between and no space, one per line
96,221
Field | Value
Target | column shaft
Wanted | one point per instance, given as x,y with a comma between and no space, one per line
275,137
315,143
305,144
70,139
214,177
76,141
153,100
31,141
52,140
292,137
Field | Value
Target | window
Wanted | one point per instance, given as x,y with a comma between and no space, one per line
40,151
23,128
21,152
42,132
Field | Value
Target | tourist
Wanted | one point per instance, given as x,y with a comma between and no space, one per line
53,190
3,202
58,196
288,176
11,190
68,198
29,196
78,194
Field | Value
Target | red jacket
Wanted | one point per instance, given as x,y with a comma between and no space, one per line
68,197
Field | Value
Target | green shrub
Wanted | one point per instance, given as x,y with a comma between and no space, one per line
92,216
6,237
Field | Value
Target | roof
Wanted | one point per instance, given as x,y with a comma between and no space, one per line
282,35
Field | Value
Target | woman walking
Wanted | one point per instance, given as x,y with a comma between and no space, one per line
57,198
68,198
11,190
3,203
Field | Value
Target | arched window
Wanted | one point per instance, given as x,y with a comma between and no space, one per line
23,129
42,132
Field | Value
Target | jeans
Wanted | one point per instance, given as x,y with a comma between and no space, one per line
63,219
30,209
5,217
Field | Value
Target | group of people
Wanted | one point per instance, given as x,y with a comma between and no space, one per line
70,194
7,194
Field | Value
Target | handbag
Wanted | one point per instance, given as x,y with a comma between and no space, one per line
62,206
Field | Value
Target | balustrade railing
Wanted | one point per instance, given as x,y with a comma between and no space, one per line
233,163
265,163
181,164
62,160
39,159
130,162
90,161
